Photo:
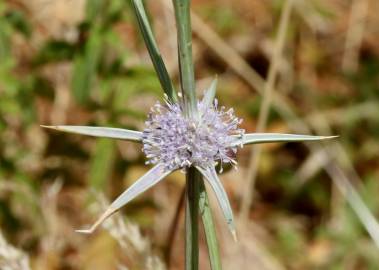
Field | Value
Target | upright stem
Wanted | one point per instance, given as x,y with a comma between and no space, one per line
183,25
191,219
196,195
187,80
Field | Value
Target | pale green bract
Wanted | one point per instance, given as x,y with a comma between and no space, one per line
210,175
148,180
104,132
210,94
255,138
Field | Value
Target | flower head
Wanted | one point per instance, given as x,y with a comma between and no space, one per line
176,141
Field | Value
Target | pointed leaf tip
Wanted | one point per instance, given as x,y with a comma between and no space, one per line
234,234
256,138
210,93
211,176
83,231
100,220
50,127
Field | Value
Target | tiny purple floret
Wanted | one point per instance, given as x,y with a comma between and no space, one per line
177,141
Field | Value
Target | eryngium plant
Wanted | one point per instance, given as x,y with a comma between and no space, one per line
174,141
184,134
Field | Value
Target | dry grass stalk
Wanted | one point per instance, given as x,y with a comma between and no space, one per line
11,258
354,35
135,246
247,196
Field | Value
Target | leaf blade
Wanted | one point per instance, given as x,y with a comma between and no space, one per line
105,132
255,138
152,177
210,175
152,47
209,228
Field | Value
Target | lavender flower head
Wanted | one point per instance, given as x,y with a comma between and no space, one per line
176,141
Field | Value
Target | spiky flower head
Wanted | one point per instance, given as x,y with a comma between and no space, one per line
171,140
176,141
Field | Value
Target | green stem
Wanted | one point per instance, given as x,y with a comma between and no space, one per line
196,195
187,80
193,178
183,25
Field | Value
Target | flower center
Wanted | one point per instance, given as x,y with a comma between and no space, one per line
179,142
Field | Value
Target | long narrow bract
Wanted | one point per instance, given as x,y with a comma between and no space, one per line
105,132
211,177
210,94
255,138
148,180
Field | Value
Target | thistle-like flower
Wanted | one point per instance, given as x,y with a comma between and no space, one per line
174,141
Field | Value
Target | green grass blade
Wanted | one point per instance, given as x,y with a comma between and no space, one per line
153,49
105,132
255,138
210,175
85,67
102,161
209,228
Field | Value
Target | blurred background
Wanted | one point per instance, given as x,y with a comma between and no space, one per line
84,63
